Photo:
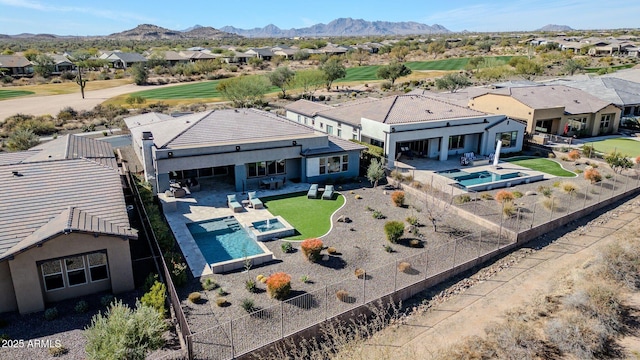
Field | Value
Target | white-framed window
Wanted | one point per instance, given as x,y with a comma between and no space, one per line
456,142
339,132
265,168
509,139
577,124
52,275
98,269
333,164
75,269
354,136
299,118
329,129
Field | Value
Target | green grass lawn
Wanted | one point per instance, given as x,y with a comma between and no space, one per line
541,164
6,94
200,90
627,147
310,217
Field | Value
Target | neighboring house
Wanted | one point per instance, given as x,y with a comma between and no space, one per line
171,57
331,49
61,64
553,109
16,65
284,51
428,127
242,147
121,60
64,228
261,53
193,56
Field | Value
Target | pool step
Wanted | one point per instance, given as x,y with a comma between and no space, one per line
233,224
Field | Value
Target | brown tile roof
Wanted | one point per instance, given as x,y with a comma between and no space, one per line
35,196
575,101
306,107
14,61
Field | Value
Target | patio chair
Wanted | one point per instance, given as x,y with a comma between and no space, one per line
233,203
328,193
254,201
313,192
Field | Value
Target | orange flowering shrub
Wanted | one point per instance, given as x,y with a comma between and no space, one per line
592,175
574,155
398,198
311,249
503,196
279,285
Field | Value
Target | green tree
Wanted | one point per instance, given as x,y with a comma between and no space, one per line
22,139
358,55
44,65
436,48
140,73
301,55
282,77
452,82
618,161
31,54
244,91
526,68
333,70
474,63
399,53
309,81
375,172
393,71
256,62
571,66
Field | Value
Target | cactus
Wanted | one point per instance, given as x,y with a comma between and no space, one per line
82,83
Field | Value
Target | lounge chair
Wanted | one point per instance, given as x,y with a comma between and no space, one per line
254,201
313,191
233,203
328,192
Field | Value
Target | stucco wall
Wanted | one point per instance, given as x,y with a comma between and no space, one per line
7,296
28,283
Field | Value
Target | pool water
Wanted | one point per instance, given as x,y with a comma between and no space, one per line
268,225
483,177
452,173
223,239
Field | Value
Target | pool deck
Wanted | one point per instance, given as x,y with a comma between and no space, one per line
211,203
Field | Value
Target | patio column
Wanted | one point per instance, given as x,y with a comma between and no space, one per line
240,173
444,147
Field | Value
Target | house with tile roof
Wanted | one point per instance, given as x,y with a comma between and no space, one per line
16,65
122,60
552,109
240,146
64,228
412,123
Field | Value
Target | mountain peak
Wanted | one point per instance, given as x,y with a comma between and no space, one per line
555,28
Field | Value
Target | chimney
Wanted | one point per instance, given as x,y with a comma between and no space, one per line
147,158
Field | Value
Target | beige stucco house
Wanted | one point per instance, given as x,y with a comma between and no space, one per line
64,228
554,109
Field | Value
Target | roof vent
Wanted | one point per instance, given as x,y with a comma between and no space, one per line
147,135
16,173
576,101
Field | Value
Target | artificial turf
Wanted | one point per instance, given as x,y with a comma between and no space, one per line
6,94
541,164
310,217
628,147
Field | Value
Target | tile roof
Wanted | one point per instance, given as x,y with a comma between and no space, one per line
128,57
336,145
614,90
76,147
306,107
460,97
402,109
350,112
14,61
575,101
35,196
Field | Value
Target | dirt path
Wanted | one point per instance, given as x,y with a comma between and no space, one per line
468,313
52,104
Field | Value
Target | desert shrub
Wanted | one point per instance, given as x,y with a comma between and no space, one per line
286,247
178,270
573,333
331,250
514,340
598,300
588,150
260,277
156,297
545,190
358,197
248,305
564,158
149,281
222,292
222,302
504,196
486,196
592,175
394,230
608,176
106,300
408,179
578,171
378,215
508,209
208,284
404,266
81,307
388,248
551,155
305,279
123,333
574,155
250,285
342,295
517,194
416,185
569,187
620,261
461,199
359,273
57,351
51,314
279,285
415,243
412,220
398,198
550,203
194,297
396,175
311,249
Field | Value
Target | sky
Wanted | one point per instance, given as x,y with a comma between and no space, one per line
90,17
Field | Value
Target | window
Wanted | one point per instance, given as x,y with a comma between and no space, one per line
509,139
264,168
605,121
456,142
299,118
52,274
313,122
577,124
339,132
321,125
329,129
76,274
98,266
334,164
355,137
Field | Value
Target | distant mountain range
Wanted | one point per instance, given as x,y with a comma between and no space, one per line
343,27
555,28
153,32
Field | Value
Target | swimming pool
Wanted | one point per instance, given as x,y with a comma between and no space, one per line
483,177
452,173
274,228
223,239
268,225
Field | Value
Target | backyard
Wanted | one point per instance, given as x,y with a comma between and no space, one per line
626,146
541,164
